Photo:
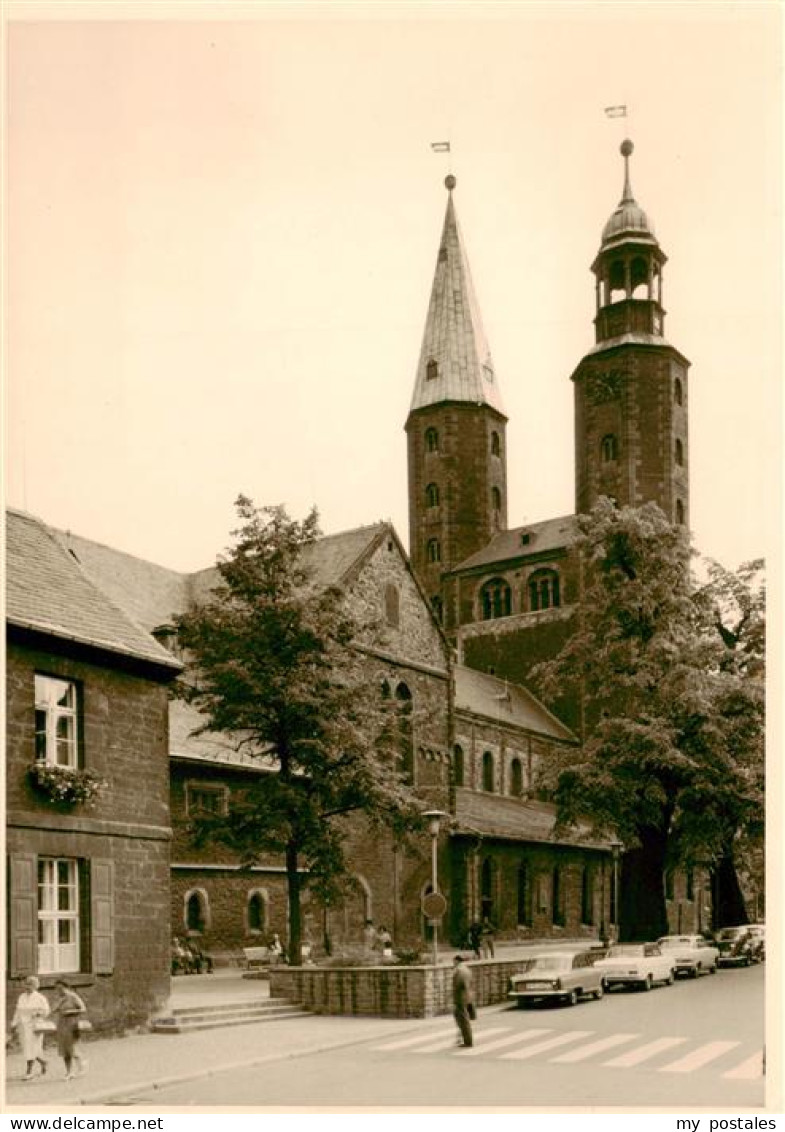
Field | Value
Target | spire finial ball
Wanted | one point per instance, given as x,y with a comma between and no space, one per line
626,147
450,182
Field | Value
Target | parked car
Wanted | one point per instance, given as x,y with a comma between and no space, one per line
690,954
738,946
635,964
565,976
759,935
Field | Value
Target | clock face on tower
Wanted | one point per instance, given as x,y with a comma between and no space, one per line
604,385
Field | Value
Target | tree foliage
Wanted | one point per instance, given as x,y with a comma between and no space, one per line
274,666
672,727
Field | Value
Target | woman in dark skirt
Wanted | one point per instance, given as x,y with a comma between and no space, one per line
67,1010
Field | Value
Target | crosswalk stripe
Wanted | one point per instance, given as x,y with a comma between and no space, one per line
550,1043
700,1056
747,1070
445,1043
642,1053
510,1040
403,1043
599,1046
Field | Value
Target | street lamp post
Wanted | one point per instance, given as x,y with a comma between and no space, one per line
616,848
436,909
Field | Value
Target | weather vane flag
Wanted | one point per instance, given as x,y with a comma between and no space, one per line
616,111
440,147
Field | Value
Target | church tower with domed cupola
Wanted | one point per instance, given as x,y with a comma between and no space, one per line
631,388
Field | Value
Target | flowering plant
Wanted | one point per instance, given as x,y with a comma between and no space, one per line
64,783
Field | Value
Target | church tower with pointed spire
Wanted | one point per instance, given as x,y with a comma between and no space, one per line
455,428
631,393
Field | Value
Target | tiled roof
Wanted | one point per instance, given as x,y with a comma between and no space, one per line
454,337
544,537
48,591
504,703
334,557
495,816
210,747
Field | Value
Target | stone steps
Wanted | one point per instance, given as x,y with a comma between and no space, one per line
185,1019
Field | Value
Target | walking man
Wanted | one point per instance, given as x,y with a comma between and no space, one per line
463,1000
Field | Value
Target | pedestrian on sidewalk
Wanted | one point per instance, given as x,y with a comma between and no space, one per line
31,1009
475,937
68,1009
488,936
463,1000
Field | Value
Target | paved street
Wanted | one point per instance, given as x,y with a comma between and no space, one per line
696,1043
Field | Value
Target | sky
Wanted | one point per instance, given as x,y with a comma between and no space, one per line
222,230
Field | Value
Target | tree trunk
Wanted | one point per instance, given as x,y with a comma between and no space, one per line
729,908
642,913
295,922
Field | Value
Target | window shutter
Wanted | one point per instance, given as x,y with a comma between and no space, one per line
23,935
102,915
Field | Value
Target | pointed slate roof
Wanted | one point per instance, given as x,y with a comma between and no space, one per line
454,337
48,591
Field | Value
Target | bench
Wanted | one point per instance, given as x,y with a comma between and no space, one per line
257,956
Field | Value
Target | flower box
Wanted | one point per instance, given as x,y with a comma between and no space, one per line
64,784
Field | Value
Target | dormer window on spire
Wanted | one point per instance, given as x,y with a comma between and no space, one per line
431,370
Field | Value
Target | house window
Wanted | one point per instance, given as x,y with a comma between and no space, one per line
680,512
392,605
434,550
58,915
609,449
557,898
206,800
679,452
431,370
197,913
431,440
496,498
432,495
457,764
487,772
544,592
587,897
56,730
496,444
678,394
516,778
257,911
496,599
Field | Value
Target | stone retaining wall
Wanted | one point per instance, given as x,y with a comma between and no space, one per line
392,992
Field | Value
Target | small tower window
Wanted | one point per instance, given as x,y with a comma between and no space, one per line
487,772
544,590
679,452
431,440
434,550
457,764
432,495
496,599
496,444
431,370
678,394
496,497
609,449
680,512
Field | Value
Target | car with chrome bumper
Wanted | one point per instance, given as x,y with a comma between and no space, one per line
691,955
635,965
738,946
557,976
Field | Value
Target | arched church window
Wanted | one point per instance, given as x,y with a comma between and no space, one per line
496,497
544,590
487,772
434,550
496,599
678,394
457,764
432,495
609,448
256,911
516,778
196,911
431,370
680,512
679,452
431,440
496,444
405,730
392,605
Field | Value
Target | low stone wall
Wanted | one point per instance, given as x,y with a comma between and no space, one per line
392,992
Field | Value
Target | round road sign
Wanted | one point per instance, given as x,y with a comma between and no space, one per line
434,905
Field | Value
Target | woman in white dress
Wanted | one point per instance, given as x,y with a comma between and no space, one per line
31,1008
